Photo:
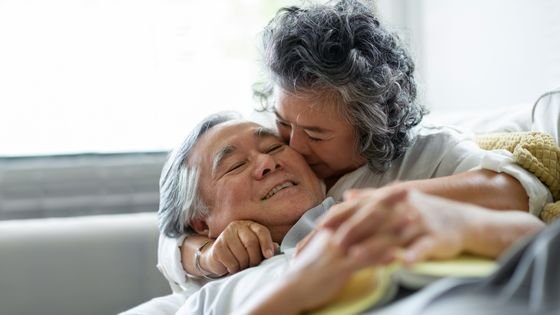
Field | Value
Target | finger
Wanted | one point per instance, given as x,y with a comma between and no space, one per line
239,251
419,250
223,259
304,242
252,246
363,224
374,217
337,214
374,251
264,238
410,233
402,221
356,193
394,195
393,223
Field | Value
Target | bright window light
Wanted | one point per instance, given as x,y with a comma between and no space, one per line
118,76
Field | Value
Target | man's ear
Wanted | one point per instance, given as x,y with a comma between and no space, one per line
200,226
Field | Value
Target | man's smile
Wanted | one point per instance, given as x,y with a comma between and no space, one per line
277,188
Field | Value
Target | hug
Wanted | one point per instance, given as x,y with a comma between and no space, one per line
348,171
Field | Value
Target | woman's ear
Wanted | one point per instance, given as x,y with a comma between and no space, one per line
200,226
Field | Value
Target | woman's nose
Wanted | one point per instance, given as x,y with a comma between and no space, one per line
298,141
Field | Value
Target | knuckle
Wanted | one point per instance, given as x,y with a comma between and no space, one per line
251,242
259,229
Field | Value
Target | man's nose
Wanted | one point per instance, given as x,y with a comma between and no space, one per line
298,141
265,165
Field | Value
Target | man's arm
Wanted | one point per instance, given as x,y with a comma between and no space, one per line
313,278
241,245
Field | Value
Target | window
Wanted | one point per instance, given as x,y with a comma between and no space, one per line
120,76
94,92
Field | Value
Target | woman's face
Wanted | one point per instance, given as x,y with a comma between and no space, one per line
314,127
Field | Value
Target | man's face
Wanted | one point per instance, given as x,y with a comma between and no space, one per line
248,173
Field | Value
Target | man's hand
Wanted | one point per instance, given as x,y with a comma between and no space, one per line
319,272
241,245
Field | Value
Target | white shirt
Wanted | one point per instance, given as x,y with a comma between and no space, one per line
225,295
435,152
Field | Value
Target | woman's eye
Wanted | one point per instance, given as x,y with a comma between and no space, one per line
314,139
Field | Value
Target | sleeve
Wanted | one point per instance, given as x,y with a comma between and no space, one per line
451,151
169,262
501,161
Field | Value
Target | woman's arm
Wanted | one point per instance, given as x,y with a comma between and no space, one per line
484,188
378,226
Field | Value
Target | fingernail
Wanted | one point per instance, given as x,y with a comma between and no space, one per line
268,253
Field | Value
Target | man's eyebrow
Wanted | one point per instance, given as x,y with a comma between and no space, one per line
309,128
263,132
224,152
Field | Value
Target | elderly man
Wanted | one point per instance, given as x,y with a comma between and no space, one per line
228,170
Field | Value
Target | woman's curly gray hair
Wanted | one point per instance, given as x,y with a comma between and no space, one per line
179,199
341,47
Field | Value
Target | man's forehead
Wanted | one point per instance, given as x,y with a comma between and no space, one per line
225,137
230,132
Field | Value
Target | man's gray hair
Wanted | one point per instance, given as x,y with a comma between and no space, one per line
179,198
341,47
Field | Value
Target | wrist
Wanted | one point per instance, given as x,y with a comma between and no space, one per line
485,233
200,261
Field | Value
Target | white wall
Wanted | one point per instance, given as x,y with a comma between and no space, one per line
481,54
106,76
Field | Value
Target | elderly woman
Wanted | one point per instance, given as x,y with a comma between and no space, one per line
343,92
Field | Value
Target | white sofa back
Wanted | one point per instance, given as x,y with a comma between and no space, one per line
82,265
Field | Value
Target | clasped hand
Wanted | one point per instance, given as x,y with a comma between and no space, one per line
378,226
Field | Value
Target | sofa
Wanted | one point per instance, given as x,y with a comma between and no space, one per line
88,265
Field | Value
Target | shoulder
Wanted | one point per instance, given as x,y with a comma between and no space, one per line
429,134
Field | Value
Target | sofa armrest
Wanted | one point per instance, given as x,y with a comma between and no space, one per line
82,265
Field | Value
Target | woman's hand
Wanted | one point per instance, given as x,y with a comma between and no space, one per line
241,245
378,226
